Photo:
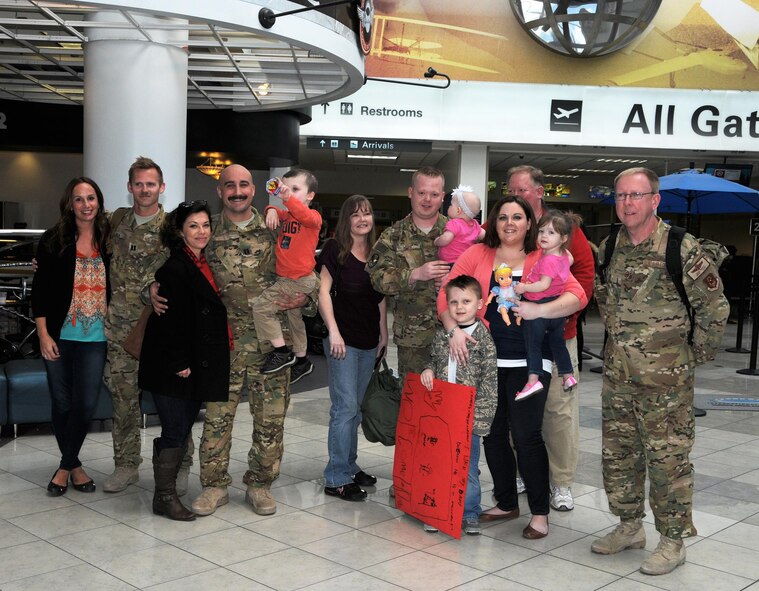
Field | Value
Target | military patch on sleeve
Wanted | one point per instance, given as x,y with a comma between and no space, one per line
699,268
711,281
373,260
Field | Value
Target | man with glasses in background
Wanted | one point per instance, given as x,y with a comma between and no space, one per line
649,366
561,418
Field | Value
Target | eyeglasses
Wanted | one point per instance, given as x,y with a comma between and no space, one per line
634,196
201,203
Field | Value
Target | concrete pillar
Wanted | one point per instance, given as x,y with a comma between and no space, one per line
473,170
135,104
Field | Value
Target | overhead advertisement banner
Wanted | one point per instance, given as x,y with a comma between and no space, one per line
687,43
546,114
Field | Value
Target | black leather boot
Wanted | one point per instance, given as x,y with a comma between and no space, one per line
165,499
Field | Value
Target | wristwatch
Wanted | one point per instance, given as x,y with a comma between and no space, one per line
449,334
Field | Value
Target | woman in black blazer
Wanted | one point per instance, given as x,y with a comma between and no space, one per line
69,300
185,353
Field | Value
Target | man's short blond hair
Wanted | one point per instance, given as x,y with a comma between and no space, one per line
652,177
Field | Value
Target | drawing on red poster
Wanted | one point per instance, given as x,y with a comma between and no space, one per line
433,439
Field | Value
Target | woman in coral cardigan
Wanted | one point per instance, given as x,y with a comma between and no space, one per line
511,239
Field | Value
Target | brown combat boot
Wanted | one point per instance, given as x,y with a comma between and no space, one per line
261,499
165,499
669,554
628,534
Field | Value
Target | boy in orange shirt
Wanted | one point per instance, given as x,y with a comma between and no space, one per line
296,247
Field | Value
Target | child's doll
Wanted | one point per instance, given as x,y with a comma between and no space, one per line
504,292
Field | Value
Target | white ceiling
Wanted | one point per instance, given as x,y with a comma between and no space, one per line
41,55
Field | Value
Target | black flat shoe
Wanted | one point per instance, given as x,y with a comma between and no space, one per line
56,490
85,487
347,492
363,479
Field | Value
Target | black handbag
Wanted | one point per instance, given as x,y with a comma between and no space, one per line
381,405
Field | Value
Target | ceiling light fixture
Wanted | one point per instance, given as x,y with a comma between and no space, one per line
368,157
212,166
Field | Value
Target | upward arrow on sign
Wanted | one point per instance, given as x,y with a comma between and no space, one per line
321,143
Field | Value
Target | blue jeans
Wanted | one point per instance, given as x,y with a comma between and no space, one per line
74,380
473,496
348,379
177,417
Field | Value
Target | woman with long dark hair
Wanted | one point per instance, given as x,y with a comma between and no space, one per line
511,240
356,318
70,299
185,353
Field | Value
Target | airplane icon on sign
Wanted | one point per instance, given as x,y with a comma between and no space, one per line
564,113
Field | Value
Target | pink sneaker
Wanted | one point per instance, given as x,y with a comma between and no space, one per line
569,383
528,391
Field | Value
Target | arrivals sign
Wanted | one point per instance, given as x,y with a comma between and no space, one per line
381,144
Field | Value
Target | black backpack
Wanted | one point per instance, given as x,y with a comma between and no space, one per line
672,260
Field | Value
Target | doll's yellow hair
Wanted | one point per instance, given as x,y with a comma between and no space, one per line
503,270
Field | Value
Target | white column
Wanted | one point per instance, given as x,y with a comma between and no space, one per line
473,170
135,104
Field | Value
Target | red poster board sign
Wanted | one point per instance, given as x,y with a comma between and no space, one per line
433,439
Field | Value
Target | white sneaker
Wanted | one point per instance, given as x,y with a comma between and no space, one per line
520,486
561,498
430,529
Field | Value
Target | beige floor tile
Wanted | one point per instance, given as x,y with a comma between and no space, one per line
70,578
278,570
218,578
98,546
555,573
420,571
296,529
357,549
229,546
155,565
31,559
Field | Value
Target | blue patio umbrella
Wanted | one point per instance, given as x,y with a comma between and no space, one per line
694,193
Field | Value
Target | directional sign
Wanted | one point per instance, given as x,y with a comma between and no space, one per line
367,144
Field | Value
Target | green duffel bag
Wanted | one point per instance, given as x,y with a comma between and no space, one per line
381,405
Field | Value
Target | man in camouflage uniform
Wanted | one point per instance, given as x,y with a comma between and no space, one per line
647,394
404,264
136,253
241,256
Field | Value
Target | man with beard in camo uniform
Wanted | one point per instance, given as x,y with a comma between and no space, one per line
241,256
649,366
136,253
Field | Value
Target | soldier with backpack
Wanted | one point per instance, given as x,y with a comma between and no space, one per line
656,338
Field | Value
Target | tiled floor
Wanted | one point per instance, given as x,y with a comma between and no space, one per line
100,541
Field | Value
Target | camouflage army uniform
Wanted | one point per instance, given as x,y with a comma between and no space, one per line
647,394
481,372
136,253
242,262
399,250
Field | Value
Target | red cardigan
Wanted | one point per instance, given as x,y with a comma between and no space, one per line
478,260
